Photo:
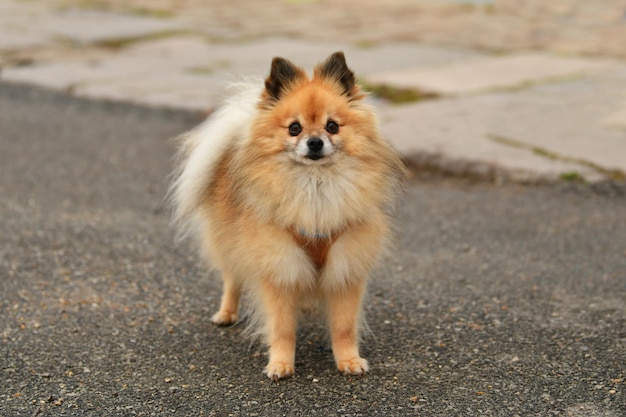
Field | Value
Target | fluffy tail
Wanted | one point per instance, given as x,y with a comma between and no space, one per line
202,148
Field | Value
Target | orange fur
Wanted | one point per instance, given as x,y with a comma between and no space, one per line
289,229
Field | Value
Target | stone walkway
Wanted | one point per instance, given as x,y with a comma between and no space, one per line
522,109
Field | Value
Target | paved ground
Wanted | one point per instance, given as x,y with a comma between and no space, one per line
494,89
501,300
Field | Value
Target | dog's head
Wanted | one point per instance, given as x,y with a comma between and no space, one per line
312,120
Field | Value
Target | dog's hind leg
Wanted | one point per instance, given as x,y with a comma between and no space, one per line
229,306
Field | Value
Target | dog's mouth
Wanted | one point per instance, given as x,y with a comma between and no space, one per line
315,156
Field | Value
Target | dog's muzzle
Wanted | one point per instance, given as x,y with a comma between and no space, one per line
315,147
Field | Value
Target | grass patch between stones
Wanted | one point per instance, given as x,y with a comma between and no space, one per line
397,95
120,43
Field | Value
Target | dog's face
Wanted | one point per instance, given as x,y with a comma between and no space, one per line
311,121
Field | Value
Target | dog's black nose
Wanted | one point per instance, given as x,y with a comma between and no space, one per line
315,144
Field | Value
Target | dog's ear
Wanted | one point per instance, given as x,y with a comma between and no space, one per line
336,70
282,75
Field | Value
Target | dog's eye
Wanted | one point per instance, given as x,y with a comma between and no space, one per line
332,127
295,129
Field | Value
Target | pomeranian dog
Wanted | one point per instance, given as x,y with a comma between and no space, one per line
289,188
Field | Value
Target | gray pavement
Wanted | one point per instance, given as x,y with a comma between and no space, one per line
500,301
536,107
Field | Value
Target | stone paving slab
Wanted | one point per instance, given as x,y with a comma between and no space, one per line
254,57
567,118
84,26
38,25
544,131
109,67
19,39
616,120
16,25
490,73
455,135
183,91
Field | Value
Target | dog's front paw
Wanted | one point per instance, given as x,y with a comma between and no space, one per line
353,366
278,370
224,318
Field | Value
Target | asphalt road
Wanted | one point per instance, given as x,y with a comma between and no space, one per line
501,301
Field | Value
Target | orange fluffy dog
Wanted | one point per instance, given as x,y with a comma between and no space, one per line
289,190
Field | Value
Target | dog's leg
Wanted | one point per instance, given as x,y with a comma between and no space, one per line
344,309
227,313
281,315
